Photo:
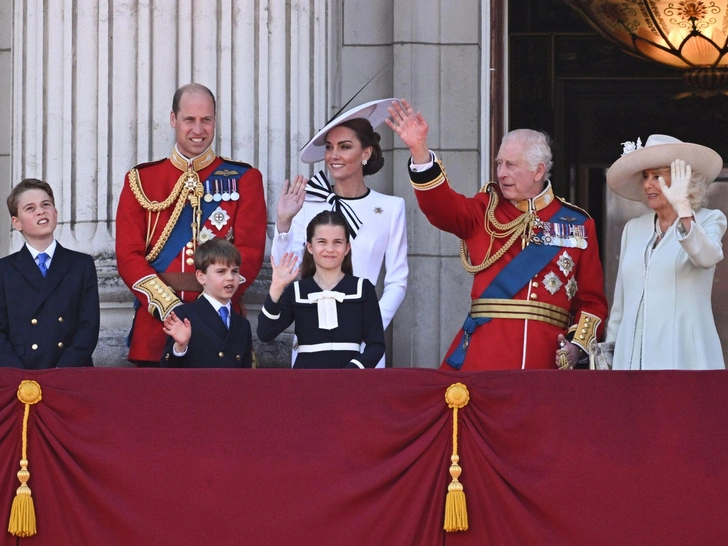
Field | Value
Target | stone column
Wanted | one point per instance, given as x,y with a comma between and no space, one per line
441,63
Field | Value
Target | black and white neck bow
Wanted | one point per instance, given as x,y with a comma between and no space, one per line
320,187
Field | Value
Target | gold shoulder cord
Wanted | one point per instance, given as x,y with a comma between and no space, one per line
515,229
195,191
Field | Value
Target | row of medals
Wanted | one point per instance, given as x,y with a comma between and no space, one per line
228,193
556,234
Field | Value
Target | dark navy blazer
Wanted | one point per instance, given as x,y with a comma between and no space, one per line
51,321
212,344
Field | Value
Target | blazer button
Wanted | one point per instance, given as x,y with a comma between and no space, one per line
60,345
237,357
60,319
34,322
166,357
190,261
534,296
221,354
34,346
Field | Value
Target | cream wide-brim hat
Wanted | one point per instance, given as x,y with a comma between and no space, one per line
375,111
624,177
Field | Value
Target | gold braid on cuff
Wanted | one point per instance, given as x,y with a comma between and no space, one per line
438,180
161,297
585,333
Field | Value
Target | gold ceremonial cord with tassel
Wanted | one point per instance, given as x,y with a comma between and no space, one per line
190,182
456,513
520,227
22,513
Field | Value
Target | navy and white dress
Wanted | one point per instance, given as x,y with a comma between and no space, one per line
330,324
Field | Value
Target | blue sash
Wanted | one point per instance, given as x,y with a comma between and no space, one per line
514,276
182,231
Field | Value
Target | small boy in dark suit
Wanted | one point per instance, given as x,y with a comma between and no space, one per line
49,295
207,333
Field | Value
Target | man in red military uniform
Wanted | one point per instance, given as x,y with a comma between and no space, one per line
537,297
168,207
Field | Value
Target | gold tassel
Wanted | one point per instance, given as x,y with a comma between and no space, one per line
456,512
22,513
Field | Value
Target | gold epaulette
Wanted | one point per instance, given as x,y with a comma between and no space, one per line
573,206
585,333
161,298
236,162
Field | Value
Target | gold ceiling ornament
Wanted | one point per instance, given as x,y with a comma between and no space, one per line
689,35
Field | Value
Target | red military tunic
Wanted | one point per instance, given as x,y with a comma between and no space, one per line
570,285
138,230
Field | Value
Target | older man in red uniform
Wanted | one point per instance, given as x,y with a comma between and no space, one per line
170,206
537,297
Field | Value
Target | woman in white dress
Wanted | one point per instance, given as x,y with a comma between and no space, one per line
662,317
350,148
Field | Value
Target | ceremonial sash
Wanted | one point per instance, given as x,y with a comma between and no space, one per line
514,276
182,231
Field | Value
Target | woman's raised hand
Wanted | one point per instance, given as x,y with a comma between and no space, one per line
290,202
677,192
411,128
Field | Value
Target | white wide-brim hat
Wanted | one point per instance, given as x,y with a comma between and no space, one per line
375,111
624,177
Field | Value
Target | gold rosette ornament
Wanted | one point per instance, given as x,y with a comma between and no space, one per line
456,514
22,513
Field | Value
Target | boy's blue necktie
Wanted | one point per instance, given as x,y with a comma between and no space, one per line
224,315
42,257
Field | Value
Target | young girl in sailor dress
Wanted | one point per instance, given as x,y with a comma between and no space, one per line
334,311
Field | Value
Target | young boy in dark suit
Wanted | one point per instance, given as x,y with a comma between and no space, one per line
207,333
49,295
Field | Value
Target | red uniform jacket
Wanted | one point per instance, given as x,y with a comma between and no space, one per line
572,282
243,222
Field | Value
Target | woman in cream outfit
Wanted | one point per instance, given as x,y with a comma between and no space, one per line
662,316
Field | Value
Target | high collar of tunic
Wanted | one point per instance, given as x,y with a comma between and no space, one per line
540,202
197,163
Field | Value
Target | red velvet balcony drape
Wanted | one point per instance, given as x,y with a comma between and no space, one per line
289,457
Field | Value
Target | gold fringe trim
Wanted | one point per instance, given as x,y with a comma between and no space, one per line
456,513
22,513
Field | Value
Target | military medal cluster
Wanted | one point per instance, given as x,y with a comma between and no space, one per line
221,189
557,234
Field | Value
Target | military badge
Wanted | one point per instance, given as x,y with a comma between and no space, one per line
551,282
571,288
205,235
565,263
219,218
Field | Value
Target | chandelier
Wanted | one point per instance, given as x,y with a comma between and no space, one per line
692,36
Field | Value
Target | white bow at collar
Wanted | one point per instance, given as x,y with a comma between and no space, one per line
326,304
